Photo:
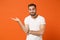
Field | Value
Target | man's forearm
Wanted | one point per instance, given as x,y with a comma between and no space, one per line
37,33
23,27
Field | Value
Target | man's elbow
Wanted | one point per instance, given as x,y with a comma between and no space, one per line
26,31
41,33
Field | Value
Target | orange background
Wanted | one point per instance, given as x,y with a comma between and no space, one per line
10,30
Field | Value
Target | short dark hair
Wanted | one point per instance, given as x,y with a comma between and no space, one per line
32,5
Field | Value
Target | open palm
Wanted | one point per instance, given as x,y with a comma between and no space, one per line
15,19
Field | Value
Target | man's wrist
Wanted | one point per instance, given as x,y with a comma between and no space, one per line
30,32
18,21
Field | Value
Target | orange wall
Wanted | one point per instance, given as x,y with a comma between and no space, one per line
10,30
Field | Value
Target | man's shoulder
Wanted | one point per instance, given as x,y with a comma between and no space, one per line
41,17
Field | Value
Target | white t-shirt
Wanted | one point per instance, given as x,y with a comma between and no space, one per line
34,24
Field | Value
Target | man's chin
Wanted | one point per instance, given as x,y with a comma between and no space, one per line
32,14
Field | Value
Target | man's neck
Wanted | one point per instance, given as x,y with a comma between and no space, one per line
35,16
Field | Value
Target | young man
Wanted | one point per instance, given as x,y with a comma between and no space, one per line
34,24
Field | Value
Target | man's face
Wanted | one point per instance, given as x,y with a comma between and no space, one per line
32,10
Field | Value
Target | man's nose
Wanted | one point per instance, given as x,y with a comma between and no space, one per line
31,10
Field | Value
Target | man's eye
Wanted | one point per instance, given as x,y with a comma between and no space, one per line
33,9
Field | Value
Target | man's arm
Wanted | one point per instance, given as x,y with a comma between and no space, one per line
39,32
24,27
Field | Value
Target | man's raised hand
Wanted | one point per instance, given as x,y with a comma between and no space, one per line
15,19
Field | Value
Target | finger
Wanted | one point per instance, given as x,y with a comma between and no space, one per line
13,18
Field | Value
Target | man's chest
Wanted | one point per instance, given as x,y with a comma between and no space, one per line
34,24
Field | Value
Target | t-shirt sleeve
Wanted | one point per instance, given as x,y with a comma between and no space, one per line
43,20
25,21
